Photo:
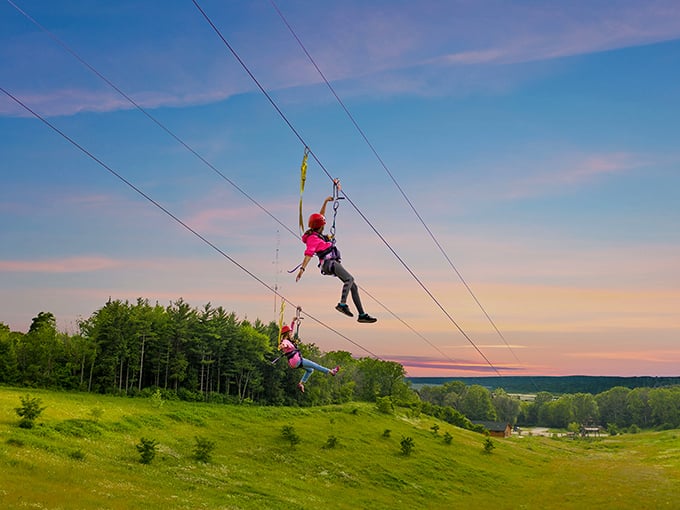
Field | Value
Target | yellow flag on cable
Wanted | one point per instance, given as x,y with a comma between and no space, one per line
303,178
283,307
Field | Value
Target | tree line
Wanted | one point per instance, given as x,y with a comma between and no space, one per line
617,408
209,354
203,353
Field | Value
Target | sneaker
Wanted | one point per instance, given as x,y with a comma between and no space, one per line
364,317
343,308
301,387
335,370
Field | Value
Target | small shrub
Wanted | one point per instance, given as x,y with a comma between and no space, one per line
147,450
96,413
633,429
386,433
288,433
14,442
407,445
488,445
384,405
612,429
435,429
29,411
157,399
77,455
448,438
355,411
203,449
331,442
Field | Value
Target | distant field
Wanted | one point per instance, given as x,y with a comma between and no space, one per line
82,455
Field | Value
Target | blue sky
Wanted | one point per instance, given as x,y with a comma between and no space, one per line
537,140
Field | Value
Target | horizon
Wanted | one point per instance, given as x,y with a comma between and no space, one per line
538,144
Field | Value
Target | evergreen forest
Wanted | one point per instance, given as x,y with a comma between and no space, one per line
207,354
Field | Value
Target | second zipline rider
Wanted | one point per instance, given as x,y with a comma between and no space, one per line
329,261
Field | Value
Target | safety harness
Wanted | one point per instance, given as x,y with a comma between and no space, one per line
328,256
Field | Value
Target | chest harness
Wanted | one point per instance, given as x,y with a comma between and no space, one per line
329,256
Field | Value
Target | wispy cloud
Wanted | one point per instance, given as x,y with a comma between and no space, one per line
570,171
63,265
354,42
520,176
412,363
76,100
650,355
530,33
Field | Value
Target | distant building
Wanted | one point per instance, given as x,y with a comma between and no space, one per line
591,431
496,428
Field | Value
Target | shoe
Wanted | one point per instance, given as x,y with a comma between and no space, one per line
364,317
335,370
301,387
343,308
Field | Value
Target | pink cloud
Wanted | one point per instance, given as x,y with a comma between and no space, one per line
217,220
651,355
440,363
69,101
555,33
471,57
597,165
554,175
64,265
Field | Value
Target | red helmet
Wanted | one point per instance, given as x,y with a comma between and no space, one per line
285,329
316,220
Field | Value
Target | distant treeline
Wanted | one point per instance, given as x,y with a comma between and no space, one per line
189,353
553,384
617,408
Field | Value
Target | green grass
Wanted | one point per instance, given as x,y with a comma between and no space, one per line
79,458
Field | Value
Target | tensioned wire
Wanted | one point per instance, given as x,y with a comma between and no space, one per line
158,205
254,201
392,177
202,159
356,208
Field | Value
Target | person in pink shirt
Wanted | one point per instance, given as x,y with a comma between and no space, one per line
329,261
295,359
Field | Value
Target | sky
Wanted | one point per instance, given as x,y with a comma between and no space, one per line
511,172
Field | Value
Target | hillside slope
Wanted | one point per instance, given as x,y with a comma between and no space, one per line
82,455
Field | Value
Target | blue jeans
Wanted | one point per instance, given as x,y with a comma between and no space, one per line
309,366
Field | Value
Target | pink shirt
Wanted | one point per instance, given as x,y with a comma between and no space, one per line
287,347
314,244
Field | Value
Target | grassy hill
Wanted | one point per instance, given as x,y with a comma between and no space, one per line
82,454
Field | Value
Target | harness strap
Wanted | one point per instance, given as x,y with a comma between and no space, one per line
292,354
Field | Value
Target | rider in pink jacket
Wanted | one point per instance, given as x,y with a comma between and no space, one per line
316,243
295,359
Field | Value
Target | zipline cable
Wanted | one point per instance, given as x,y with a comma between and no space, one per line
146,113
389,173
301,139
171,215
201,158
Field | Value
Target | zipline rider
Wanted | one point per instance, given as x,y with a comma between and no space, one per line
329,261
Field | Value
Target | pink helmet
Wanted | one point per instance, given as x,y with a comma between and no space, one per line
316,220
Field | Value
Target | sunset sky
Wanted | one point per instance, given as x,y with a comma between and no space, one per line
538,141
